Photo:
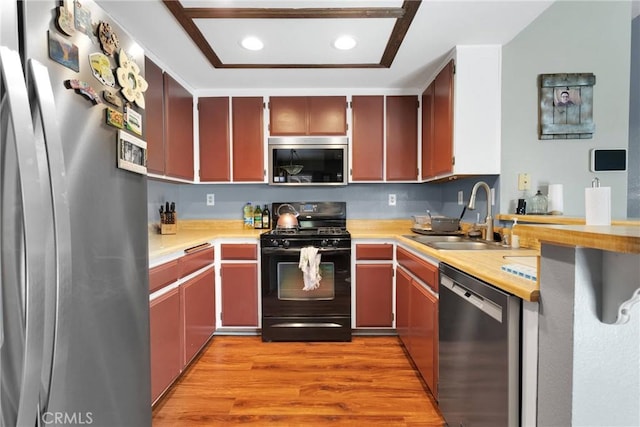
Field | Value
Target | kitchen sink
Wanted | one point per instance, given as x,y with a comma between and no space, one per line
455,242
429,239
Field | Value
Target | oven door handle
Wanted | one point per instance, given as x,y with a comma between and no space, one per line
289,251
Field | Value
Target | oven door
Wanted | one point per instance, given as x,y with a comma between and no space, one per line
291,313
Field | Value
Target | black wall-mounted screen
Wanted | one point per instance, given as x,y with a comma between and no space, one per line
608,160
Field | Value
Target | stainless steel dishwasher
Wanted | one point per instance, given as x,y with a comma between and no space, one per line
479,352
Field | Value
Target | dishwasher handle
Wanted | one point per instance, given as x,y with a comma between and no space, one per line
485,305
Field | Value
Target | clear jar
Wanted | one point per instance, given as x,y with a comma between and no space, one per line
539,205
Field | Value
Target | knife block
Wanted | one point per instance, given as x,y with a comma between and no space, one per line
166,227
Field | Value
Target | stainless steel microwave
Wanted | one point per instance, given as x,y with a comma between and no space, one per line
308,160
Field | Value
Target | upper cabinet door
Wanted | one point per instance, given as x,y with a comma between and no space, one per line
288,115
248,139
402,138
154,118
428,145
442,154
178,103
367,145
213,119
307,115
327,115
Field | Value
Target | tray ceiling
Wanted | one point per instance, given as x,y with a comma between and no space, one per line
400,44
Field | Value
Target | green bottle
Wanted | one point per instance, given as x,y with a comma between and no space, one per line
257,217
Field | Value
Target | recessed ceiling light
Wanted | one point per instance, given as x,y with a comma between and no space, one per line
344,43
252,43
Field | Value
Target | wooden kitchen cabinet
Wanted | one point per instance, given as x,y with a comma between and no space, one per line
374,285
239,290
239,285
461,112
248,139
374,295
417,313
154,118
423,329
402,138
178,130
166,341
198,300
437,125
403,298
182,319
367,142
307,115
214,136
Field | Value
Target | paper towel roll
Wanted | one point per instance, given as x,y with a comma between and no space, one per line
555,199
597,205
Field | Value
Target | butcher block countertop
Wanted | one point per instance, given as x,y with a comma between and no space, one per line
485,265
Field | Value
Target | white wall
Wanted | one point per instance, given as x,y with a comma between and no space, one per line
569,37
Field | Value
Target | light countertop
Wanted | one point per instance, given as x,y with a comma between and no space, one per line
486,265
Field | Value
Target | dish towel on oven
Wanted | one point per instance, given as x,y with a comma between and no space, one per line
310,266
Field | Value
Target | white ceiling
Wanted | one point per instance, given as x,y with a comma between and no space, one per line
438,26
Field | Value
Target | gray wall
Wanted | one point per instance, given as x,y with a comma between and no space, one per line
364,201
633,207
569,37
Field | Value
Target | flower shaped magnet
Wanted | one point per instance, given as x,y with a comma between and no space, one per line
133,84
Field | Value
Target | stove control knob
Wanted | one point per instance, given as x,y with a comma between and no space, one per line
335,243
324,243
273,242
285,244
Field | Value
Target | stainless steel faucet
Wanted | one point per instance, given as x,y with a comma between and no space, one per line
472,205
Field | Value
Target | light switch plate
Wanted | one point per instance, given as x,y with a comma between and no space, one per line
461,197
524,182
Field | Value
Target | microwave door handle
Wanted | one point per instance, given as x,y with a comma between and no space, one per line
58,288
15,102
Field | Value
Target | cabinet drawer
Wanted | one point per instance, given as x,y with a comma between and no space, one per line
239,251
382,251
423,270
162,275
195,261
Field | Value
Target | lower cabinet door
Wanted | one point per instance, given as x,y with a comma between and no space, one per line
166,341
424,334
199,312
374,293
239,292
403,297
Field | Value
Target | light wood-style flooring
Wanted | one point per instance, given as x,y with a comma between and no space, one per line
241,380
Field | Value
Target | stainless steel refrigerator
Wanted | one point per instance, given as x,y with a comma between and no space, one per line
74,338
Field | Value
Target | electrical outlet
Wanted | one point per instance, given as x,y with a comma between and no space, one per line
461,197
211,199
392,199
524,182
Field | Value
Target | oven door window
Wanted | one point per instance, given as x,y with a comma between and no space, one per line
291,283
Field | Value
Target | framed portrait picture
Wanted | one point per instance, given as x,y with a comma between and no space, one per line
566,106
132,153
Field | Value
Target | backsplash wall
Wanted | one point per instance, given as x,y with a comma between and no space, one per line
364,201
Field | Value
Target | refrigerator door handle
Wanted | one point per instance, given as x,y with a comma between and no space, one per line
29,291
58,288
